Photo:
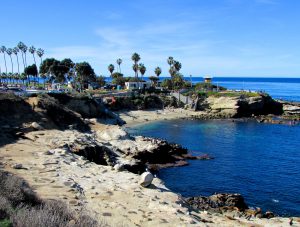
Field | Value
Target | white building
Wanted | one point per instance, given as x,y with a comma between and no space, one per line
137,85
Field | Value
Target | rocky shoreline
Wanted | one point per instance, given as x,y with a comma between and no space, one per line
93,165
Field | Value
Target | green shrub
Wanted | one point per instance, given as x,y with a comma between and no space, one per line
5,223
20,207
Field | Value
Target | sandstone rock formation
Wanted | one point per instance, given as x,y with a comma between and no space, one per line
239,106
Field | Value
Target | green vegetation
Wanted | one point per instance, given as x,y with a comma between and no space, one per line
227,94
140,102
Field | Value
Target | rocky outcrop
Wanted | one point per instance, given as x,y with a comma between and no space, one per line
226,203
114,147
239,106
217,201
85,105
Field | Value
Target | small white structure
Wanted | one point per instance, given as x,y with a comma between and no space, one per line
207,79
137,85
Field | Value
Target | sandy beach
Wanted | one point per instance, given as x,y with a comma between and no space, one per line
135,117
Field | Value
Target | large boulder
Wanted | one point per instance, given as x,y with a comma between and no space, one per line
146,179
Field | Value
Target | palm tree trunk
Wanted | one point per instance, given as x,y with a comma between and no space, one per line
5,62
24,63
25,59
12,64
34,59
36,67
18,64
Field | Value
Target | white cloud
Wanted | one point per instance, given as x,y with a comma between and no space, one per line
186,41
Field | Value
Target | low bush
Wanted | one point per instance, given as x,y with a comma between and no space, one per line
21,207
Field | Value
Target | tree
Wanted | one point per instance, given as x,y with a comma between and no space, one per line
153,79
21,47
23,77
119,81
9,52
40,53
119,62
31,70
111,69
170,61
3,50
135,58
142,69
59,72
157,71
57,69
116,75
177,65
172,71
46,64
70,65
167,83
45,68
32,51
25,51
16,51
178,81
85,73
100,80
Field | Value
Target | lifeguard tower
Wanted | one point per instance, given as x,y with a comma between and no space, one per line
207,79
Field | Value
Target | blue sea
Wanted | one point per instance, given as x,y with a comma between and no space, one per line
259,161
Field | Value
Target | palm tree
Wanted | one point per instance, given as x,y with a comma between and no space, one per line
25,50
119,62
142,69
32,51
111,69
157,71
15,51
135,68
21,46
172,71
170,61
135,58
3,50
9,52
40,53
177,65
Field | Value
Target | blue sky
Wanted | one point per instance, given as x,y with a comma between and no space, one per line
258,38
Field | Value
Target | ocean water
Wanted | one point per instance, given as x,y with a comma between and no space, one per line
259,161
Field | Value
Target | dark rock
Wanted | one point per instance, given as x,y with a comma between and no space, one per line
217,201
269,214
